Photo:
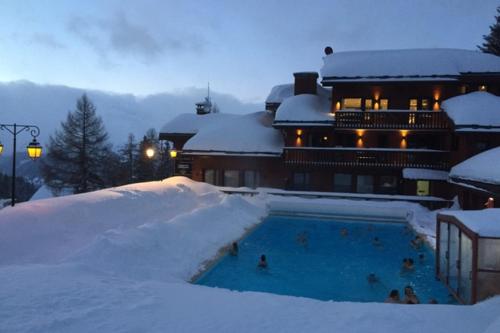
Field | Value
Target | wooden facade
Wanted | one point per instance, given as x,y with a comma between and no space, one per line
377,128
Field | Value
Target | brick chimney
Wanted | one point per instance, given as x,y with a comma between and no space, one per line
305,83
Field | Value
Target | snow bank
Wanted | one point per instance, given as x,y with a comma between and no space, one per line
304,108
44,192
191,123
478,108
479,168
251,133
407,63
117,260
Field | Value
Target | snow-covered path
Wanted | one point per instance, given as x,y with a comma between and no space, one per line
118,260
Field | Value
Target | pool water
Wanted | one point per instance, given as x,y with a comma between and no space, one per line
312,258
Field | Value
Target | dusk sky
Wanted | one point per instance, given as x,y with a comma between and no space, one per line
242,47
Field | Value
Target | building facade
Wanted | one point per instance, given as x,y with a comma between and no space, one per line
383,122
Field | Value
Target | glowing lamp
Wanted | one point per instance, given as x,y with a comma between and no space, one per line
404,133
150,152
34,150
1,148
299,132
173,153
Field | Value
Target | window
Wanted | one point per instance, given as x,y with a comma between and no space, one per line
368,104
300,181
383,141
422,187
463,89
413,104
231,178
425,104
384,104
388,184
364,184
209,176
351,103
342,182
251,178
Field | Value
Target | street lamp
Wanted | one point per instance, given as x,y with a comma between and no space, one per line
150,152
34,149
173,156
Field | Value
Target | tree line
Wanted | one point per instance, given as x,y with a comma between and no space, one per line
80,158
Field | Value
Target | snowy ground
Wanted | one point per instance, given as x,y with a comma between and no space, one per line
118,260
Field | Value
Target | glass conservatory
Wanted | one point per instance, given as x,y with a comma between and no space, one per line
468,253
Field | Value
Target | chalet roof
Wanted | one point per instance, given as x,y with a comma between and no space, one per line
478,110
190,123
481,168
484,222
282,91
304,108
246,134
411,64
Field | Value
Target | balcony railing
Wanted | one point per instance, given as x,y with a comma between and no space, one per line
396,119
367,157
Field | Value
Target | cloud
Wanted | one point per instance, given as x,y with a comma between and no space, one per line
47,40
120,36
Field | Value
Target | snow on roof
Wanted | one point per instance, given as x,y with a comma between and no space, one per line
408,63
478,108
251,133
427,174
482,168
280,92
304,108
484,222
190,123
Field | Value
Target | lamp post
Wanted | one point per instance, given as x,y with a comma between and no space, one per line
173,156
34,149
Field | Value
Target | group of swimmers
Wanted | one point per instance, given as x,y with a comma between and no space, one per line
234,252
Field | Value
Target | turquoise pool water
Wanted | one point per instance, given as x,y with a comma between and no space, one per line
328,265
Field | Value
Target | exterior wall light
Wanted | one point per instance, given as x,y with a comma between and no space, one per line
173,153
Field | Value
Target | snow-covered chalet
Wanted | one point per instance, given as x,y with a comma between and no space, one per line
377,122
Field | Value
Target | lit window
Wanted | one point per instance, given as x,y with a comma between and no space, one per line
231,178
351,103
425,104
368,104
413,104
384,104
483,87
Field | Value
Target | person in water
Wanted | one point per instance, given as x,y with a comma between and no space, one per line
234,249
393,297
344,232
408,264
410,297
372,278
262,262
302,238
417,242
376,242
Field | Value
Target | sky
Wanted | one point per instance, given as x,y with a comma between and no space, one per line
242,48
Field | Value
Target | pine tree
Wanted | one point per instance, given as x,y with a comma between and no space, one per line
129,155
492,41
77,153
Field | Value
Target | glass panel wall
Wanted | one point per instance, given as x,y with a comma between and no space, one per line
231,178
453,257
465,284
251,179
364,184
209,176
443,250
342,182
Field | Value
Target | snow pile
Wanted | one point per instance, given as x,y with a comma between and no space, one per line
480,168
191,123
384,64
304,108
248,134
424,174
484,222
44,192
478,108
117,260
281,92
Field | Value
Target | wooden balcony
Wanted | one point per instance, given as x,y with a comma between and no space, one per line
367,157
396,119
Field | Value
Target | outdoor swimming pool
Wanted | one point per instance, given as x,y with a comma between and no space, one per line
328,265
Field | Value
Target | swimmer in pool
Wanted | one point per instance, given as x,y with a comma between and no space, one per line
234,249
262,262
393,297
344,232
376,242
410,297
302,238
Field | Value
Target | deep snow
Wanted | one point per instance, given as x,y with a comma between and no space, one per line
118,260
